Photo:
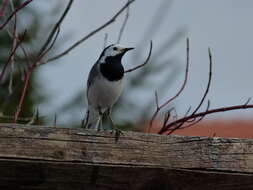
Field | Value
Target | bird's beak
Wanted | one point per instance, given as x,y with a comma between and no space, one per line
127,49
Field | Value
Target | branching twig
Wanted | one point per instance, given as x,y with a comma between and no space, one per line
10,56
248,100
145,62
55,28
200,114
49,48
21,47
43,52
14,12
191,124
158,108
190,119
209,81
90,34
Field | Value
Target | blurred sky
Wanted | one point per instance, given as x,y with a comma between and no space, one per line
225,26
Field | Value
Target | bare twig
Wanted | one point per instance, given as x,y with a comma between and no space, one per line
49,48
14,43
123,24
21,47
248,100
42,53
24,90
44,50
90,34
190,120
200,114
55,29
10,56
145,62
191,124
158,108
201,118
14,12
181,124
209,81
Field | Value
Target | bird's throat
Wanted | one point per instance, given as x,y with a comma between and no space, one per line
112,69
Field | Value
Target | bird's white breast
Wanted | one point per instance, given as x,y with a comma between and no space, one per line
104,93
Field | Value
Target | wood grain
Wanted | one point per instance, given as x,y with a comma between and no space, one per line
38,157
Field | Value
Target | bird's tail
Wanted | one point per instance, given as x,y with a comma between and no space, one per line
92,119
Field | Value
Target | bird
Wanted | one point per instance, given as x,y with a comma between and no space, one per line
105,85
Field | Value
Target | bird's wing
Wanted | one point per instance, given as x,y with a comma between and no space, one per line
94,73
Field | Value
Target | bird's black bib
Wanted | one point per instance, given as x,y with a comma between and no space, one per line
112,69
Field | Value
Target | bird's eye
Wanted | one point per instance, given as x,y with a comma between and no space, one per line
115,49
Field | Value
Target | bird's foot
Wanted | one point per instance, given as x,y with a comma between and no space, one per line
117,133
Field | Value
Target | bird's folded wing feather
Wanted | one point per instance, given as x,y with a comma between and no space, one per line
94,73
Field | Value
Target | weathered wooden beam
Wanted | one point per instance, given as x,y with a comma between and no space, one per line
33,157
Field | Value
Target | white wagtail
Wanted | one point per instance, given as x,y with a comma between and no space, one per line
104,85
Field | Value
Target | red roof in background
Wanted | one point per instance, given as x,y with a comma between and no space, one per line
218,128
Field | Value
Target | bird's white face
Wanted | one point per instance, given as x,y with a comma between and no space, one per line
113,50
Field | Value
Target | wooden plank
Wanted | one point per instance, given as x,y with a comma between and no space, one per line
58,158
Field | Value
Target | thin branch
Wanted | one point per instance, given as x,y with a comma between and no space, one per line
209,81
181,124
124,24
248,100
14,12
14,43
21,47
181,89
200,114
49,48
145,62
201,118
192,120
166,118
192,123
90,34
24,90
44,50
55,29
10,56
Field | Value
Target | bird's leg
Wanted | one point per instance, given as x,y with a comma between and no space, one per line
84,122
118,132
100,120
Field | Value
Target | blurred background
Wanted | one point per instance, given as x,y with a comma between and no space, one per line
59,87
